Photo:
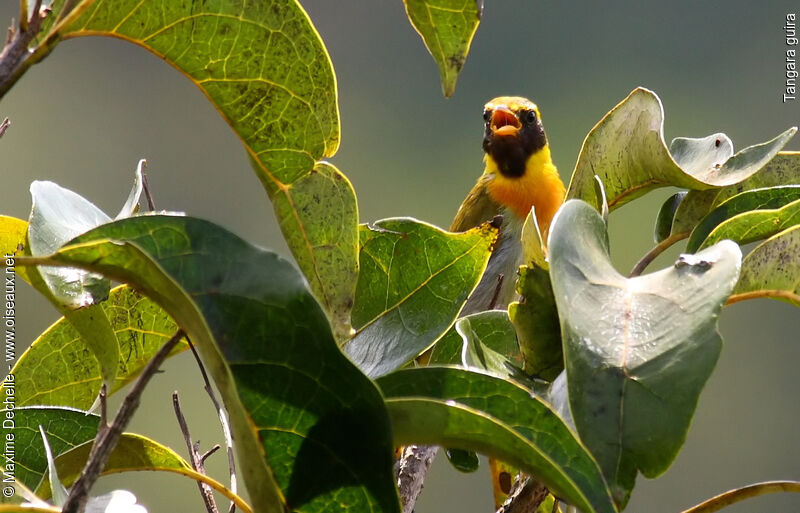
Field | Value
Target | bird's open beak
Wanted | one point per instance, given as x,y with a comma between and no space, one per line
504,122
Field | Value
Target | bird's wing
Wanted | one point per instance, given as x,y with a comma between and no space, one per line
477,208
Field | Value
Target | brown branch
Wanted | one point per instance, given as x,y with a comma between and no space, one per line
412,468
108,435
651,255
526,496
194,457
16,49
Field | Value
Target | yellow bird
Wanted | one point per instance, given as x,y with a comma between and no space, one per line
519,175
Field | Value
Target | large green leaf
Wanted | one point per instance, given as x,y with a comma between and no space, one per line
447,28
414,280
626,149
470,410
264,67
750,216
772,269
301,413
132,453
57,369
638,351
783,169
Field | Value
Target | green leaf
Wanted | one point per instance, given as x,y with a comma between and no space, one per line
463,461
58,215
665,216
132,453
638,351
66,429
413,282
300,412
783,169
318,216
626,150
267,72
750,216
534,250
474,411
447,28
59,492
57,368
13,235
535,319
771,269
485,341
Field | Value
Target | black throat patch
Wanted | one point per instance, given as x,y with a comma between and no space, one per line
512,152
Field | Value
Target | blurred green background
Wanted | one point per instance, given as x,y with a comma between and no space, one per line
86,115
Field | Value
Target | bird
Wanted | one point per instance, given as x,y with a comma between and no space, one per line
519,174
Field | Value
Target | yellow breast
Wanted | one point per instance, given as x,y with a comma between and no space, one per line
539,187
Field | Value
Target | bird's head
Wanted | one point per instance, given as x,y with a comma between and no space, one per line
513,132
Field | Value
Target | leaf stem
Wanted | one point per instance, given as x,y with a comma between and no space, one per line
755,294
724,500
108,436
651,255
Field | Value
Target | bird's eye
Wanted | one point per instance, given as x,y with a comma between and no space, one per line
529,116
487,115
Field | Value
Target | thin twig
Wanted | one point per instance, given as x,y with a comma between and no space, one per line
412,468
4,126
205,455
651,255
108,436
223,420
194,457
